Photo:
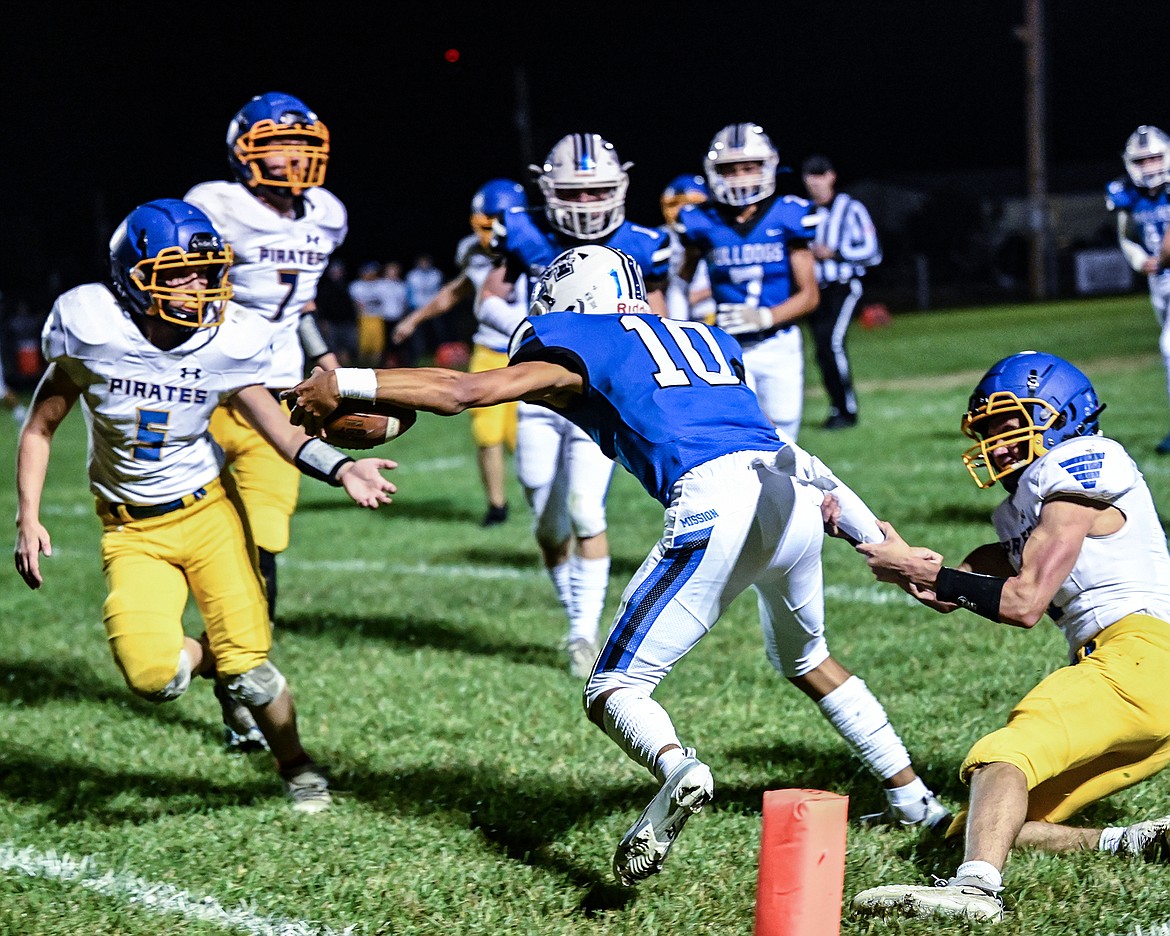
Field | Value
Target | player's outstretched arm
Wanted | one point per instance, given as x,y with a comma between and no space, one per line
362,480
431,389
54,397
912,568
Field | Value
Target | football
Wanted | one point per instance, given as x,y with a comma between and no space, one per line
361,424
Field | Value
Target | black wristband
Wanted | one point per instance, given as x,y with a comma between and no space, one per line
321,460
975,592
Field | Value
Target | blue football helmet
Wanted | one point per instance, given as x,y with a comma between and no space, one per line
168,260
1053,400
682,190
492,200
282,129
593,279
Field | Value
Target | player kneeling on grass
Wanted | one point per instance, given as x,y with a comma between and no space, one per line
151,354
1080,538
743,506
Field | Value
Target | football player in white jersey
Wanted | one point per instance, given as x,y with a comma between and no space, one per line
151,355
493,428
1079,538
283,225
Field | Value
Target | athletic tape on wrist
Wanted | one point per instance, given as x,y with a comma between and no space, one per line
322,461
977,593
356,383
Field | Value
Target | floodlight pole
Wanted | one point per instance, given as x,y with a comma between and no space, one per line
1032,35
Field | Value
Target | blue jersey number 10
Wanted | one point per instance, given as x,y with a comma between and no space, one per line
697,370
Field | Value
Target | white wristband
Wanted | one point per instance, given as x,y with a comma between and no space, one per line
357,383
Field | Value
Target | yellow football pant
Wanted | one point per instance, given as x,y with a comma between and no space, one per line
492,425
269,486
149,565
1089,730
371,339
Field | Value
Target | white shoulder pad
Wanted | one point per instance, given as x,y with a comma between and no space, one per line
1094,466
243,334
329,212
86,322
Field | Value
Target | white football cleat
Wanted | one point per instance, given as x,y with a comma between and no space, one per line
643,849
307,788
582,656
1149,840
956,898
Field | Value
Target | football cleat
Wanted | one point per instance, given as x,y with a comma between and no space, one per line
936,818
495,516
644,848
307,788
582,656
241,734
1149,840
1163,447
956,898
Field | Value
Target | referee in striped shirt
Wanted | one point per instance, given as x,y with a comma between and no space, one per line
845,244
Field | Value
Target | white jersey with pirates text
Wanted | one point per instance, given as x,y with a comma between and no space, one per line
146,409
279,261
1123,573
477,262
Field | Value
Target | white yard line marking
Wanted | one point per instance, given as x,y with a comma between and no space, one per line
154,897
871,594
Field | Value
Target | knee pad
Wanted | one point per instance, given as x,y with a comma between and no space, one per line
255,688
587,519
173,689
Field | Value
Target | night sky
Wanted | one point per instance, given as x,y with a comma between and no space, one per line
105,110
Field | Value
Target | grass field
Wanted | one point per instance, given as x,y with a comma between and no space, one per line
473,796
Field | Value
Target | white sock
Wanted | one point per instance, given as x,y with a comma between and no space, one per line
668,761
560,579
1111,838
640,726
588,579
909,801
984,871
862,722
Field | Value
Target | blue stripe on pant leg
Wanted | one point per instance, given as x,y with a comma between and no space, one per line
677,565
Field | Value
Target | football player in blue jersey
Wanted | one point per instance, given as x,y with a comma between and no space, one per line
761,269
668,400
564,475
1142,207
492,429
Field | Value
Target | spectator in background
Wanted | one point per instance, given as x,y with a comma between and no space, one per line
423,283
395,304
367,298
844,245
1141,206
380,297
337,313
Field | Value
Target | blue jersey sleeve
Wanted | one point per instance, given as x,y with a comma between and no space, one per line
798,221
1119,196
691,226
525,247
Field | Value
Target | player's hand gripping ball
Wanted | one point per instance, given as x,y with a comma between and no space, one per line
361,424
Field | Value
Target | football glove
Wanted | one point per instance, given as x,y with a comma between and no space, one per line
738,318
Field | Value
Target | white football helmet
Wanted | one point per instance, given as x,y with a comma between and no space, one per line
735,144
1147,157
584,186
591,279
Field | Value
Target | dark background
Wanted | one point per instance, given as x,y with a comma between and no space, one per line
111,105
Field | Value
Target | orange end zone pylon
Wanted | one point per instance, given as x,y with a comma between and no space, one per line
802,863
